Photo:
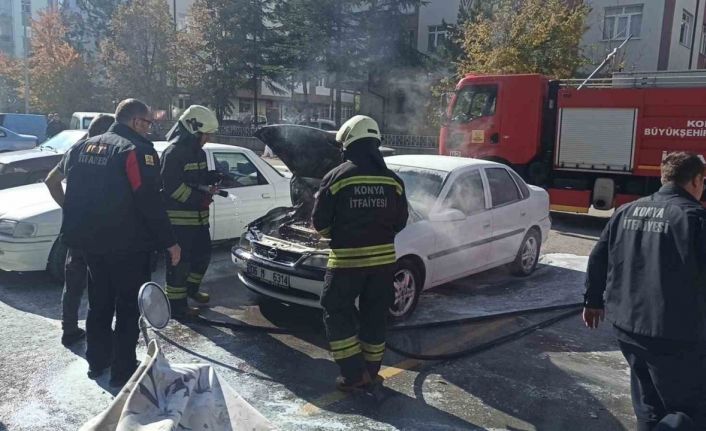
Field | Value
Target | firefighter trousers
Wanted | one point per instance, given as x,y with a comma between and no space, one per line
357,335
114,281
185,279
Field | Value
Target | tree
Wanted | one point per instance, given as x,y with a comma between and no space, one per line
526,36
230,45
94,21
11,81
139,54
59,79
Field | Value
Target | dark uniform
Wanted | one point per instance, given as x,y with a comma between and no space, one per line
114,214
361,206
184,168
650,262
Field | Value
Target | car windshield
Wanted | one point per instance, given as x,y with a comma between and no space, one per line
421,185
63,141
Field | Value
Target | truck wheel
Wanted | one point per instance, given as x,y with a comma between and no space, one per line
408,286
528,255
56,262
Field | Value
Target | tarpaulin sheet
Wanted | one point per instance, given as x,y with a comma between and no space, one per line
162,397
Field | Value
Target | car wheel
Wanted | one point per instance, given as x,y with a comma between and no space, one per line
528,255
57,261
407,285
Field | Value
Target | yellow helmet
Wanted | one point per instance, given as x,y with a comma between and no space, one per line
358,127
199,119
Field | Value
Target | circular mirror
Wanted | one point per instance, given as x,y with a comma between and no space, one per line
154,305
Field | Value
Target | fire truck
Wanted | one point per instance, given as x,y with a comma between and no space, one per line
598,144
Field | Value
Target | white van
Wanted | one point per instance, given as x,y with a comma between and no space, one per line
81,120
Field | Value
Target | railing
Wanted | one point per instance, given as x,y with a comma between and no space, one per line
410,141
239,131
644,80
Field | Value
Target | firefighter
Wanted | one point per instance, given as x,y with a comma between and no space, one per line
647,272
360,206
188,188
113,213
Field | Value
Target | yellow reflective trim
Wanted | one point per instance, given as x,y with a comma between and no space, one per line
326,233
179,192
373,357
346,353
175,289
363,251
361,263
183,214
196,276
191,167
372,348
187,222
340,344
370,180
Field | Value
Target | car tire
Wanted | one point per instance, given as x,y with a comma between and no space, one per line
528,255
57,261
407,288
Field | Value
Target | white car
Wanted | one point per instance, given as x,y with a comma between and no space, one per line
466,216
30,220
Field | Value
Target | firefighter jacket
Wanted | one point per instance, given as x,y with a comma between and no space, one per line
650,263
112,200
184,169
361,206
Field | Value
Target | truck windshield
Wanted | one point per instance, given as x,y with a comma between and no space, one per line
474,101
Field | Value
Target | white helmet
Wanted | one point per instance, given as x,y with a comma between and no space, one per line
199,119
357,127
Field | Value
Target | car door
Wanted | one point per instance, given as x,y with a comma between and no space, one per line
508,214
462,246
251,195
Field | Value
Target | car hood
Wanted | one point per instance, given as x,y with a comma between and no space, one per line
34,153
307,152
30,203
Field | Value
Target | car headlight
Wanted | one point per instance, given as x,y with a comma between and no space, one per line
316,260
17,229
244,242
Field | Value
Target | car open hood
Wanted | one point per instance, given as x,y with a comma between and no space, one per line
307,152
14,156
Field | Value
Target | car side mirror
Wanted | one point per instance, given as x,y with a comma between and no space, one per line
155,310
447,215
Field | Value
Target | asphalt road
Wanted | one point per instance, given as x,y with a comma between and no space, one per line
558,378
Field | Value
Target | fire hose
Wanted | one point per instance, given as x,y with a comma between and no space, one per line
573,309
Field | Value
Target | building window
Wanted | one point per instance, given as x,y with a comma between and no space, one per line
437,36
687,21
621,21
244,105
703,40
321,82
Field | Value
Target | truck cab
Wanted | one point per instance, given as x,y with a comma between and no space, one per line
496,117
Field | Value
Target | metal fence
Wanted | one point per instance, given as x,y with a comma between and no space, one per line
239,131
410,141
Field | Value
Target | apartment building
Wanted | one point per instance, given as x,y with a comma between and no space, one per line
666,34
15,16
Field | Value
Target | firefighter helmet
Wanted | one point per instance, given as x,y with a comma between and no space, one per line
357,127
199,119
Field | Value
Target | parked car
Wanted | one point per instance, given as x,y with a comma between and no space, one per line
11,141
30,219
18,168
466,216
81,120
26,124
328,125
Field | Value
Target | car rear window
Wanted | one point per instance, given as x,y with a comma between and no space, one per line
502,186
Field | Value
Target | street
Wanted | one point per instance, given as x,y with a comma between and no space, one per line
559,377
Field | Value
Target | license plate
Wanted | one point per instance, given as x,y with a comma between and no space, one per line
272,277
455,153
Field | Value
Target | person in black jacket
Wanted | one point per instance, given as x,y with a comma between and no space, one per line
648,272
188,192
114,214
360,206
75,268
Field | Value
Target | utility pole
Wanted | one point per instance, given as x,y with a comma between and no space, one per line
26,11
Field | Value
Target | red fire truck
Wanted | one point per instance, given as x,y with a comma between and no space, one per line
599,145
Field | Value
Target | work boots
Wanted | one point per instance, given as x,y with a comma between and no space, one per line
182,310
345,385
200,297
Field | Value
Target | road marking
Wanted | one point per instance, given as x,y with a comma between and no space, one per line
333,397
